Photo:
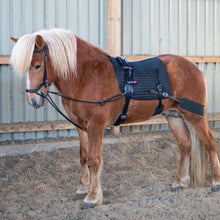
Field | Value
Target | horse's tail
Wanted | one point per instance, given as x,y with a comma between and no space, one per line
199,159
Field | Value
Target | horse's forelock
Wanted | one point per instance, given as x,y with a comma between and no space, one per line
21,55
62,48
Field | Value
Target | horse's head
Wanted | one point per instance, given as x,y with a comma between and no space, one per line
39,73
45,56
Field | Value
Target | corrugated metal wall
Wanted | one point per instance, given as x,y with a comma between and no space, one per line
182,27
88,18
149,27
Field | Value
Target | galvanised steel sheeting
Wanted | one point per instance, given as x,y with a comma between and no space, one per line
149,27
88,18
182,27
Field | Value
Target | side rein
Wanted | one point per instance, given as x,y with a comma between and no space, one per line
45,93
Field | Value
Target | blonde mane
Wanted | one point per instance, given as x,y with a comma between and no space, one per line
62,48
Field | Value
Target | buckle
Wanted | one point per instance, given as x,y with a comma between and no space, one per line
165,94
159,87
123,117
132,82
45,91
127,68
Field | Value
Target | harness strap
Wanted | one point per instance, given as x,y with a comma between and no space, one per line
50,100
123,116
128,89
101,103
160,106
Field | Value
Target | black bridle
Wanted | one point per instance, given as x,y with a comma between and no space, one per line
45,82
46,95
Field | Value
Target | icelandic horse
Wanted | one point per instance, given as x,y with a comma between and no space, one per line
82,71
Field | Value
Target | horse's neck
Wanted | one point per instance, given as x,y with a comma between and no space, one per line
89,59
87,53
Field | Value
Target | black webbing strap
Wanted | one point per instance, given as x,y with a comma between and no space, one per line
128,89
160,106
185,103
122,117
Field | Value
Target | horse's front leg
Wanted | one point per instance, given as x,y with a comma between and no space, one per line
95,135
84,177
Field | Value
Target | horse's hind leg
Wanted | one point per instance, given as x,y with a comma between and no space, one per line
84,177
182,135
201,127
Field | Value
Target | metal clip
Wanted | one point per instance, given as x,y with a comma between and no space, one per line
165,94
132,82
159,87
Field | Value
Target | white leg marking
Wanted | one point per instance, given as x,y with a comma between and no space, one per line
186,179
99,198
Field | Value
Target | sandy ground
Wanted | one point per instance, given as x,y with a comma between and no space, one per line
136,181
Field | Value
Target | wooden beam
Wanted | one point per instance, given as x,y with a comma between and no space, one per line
114,35
203,59
65,125
162,120
4,60
193,59
35,126
114,27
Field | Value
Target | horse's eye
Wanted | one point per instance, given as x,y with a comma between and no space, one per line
37,67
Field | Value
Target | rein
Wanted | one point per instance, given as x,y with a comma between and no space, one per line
101,103
46,95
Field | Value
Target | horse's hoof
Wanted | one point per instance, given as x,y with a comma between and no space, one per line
80,196
176,188
215,188
87,205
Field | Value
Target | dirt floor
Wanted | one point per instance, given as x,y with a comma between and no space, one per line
136,181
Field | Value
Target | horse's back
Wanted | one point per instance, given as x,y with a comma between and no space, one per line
179,63
186,78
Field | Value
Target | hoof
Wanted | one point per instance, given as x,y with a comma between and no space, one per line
92,201
80,196
215,188
87,205
176,188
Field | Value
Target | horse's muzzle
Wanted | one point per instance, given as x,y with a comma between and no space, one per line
37,102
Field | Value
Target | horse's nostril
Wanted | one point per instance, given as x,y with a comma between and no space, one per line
36,103
33,102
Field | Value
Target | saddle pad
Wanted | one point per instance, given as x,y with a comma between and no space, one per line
148,74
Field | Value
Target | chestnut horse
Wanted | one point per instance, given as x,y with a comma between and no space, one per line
82,71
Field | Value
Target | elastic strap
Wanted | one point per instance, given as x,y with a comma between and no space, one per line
128,89
123,116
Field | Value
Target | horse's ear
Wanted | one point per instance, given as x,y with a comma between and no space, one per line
14,39
39,43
